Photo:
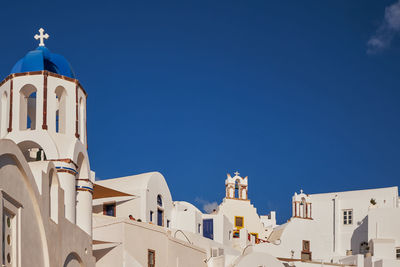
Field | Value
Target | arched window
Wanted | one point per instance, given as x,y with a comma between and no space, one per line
27,117
160,211
3,114
61,99
159,200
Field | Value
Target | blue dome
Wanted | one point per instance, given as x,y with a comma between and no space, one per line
43,59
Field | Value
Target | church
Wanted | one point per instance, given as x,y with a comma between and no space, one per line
55,213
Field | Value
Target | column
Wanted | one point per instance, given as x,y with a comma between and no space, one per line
84,189
67,174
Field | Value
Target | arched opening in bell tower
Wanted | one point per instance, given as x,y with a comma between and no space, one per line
61,97
27,117
237,188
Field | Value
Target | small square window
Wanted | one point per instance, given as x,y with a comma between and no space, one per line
109,209
347,217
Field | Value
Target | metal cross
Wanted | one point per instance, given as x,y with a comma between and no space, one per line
237,173
41,37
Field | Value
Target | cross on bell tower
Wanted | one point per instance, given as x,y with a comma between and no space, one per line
41,36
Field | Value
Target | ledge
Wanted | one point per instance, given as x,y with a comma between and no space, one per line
43,72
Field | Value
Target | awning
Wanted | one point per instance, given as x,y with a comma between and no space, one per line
104,192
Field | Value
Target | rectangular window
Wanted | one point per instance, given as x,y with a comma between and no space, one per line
168,223
239,222
398,253
160,217
199,228
151,216
347,217
109,209
151,258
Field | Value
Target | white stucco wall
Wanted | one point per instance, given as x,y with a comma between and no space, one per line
132,240
384,223
187,217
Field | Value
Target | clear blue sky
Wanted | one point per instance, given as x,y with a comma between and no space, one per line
282,91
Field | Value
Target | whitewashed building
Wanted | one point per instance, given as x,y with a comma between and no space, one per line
333,227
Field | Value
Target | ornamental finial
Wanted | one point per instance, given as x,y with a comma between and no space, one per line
41,36
236,173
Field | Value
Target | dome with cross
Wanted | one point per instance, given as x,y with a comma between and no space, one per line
42,59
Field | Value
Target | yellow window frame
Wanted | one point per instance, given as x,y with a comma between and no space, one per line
239,227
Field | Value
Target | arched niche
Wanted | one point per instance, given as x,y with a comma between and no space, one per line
53,195
27,106
83,167
32,151
61,109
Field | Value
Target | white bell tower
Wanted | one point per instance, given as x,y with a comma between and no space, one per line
236,187
302,206
43,110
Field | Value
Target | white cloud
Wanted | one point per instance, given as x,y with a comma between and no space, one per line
388,29
392,16
208,206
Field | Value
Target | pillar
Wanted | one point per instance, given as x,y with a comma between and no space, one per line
66,173
84,195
